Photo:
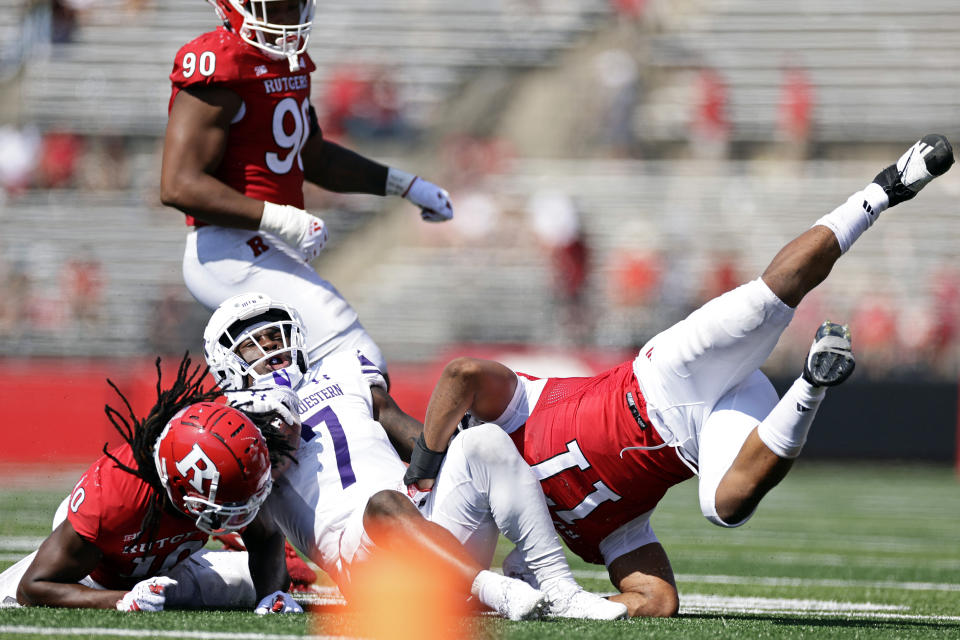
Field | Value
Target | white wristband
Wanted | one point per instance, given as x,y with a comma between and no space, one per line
288,223
398,182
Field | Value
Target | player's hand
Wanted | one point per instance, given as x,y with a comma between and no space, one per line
314,239
433,201
303,231
146,595
262,401
278,602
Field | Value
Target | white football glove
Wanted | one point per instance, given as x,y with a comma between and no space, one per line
259,401
278,602
433,201
303,231
146,595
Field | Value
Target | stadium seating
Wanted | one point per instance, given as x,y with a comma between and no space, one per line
876,67
114,75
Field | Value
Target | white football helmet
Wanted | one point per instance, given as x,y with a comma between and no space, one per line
256,22
269,334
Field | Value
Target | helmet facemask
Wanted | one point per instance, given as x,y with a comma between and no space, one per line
266,27
216,519
267,350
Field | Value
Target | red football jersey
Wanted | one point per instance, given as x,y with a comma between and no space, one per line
262,156
575,439
107,508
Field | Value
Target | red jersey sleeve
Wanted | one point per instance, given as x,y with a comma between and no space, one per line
85,503
221,58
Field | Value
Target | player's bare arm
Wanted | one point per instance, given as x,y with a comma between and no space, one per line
402,429
482,387
265,546
646,583
195,141
61,562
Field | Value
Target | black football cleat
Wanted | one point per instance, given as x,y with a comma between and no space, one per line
830,360
930,157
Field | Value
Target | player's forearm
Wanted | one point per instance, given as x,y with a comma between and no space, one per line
74,596
208,199
450,400
402,429
341,170
267,562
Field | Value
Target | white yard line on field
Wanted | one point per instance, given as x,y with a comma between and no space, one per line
133,633
19,543
702,603
761,581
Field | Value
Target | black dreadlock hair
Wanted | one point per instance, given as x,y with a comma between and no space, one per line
142,435
277,444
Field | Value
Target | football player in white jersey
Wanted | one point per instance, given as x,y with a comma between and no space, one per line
345,498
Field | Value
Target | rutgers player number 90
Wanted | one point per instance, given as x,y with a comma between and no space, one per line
294,140
207,63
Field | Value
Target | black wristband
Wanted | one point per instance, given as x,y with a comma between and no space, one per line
424,462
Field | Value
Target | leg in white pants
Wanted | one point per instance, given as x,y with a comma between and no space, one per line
725,430
484,487
695,362
212,579
219,263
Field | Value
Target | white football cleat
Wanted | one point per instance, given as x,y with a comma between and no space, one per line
516,600
574,602
928,158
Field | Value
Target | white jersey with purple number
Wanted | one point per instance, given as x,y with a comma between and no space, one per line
344,458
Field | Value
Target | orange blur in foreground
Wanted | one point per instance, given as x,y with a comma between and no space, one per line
404,596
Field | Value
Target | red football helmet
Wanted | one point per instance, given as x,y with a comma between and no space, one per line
280,28
214,464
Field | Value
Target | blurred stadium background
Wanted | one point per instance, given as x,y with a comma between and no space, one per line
612,163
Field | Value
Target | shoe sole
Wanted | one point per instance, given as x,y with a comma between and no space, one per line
834,363
829,369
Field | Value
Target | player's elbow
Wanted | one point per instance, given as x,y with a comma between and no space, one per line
667,607
171,192
651,603
464,370
28,593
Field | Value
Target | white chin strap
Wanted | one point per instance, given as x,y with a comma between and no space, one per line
294,61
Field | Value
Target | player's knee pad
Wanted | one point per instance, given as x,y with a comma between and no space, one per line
488,444
709,510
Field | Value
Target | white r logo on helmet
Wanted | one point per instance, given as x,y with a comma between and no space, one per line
192,462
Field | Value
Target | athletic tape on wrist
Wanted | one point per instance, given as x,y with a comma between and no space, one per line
424,462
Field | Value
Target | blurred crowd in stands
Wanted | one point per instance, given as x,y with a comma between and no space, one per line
54,159
363,104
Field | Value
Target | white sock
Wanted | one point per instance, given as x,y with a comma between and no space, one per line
785,429
488,588
853,217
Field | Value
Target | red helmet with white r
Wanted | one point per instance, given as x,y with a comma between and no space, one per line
214,464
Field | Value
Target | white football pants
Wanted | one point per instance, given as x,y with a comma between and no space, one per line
219,263
702,383
485,488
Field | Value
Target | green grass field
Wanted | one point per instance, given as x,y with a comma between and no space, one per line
837,551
